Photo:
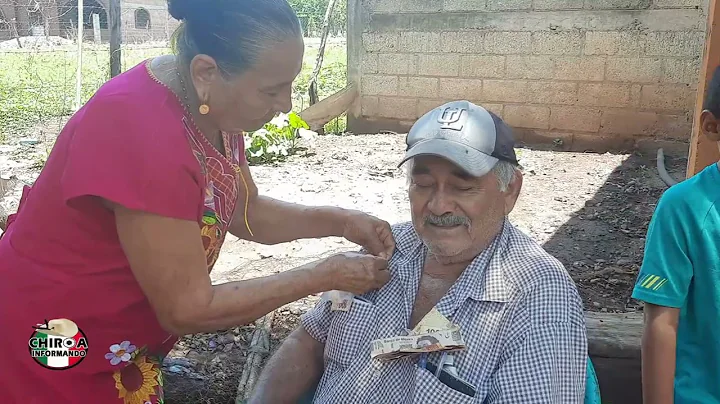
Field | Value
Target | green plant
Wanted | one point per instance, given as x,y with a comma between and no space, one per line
275,141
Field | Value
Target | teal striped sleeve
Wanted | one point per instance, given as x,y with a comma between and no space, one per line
666,269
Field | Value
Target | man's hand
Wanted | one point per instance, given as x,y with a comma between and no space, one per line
658,354
373,234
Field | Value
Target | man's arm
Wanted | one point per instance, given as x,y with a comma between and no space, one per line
273,221
549,366
658,353
292,371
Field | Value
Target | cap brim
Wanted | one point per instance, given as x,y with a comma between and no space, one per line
475,163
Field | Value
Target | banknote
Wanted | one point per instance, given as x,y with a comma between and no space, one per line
396,347
339,300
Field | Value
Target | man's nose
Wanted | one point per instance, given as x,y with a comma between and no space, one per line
440,203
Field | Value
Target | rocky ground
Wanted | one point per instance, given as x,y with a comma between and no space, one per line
591,211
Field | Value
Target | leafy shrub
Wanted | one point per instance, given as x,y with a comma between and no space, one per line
275,141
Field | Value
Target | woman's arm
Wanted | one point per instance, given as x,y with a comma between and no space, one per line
273,221
658,354
167,258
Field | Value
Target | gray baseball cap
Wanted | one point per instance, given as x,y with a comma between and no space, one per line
468,135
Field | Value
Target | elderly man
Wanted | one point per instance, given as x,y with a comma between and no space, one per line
518,311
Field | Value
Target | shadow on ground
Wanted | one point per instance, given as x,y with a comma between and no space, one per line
602,244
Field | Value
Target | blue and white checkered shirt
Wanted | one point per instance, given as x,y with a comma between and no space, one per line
519,312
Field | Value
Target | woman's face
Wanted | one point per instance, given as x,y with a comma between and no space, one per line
248,101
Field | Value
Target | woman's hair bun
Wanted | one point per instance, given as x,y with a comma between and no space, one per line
181,9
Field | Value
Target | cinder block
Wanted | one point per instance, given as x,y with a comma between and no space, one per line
668,96
604,95
686,71
489,67
530,67
575,118
678,3
635,95
422,87
464,5
375,84
508,43
369,105
557,43
676,127
380,42
399,108
397,63
603,144
381,6
424,106
425,42
617,4
581,68
418,6
444,64
496,5
675,44
634,70
497,109
527,116
620,43
552,92
369,63
628,122
558,4
455,88
505,90
462,41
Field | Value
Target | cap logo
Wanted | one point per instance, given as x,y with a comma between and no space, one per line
450,118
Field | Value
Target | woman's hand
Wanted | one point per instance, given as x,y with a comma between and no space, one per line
355,272
373,234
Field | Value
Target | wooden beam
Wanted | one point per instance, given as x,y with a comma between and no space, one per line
704,152
317,115
114,20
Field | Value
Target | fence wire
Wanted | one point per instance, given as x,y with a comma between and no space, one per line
39,59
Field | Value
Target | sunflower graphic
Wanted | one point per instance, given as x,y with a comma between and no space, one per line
136,382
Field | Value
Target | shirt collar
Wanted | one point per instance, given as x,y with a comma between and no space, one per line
484,279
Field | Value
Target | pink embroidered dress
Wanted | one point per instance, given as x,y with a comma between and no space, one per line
134,144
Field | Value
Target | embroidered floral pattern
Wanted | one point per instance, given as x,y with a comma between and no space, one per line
121,352
140,379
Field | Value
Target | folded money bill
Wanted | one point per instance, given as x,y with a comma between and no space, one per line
397,347
339,300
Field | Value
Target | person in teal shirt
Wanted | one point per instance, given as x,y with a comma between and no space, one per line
679,281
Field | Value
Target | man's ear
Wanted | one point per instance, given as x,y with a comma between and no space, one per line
709,126
513,192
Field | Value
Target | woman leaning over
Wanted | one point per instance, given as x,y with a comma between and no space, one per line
119,232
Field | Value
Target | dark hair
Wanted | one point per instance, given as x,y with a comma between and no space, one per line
233,32
712,95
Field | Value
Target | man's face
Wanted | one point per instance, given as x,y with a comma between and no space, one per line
453,212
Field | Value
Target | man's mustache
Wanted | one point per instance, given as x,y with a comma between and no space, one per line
447,219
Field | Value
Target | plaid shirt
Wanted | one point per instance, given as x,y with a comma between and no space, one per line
519,312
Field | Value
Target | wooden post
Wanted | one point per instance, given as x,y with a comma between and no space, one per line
97,37
703,152
81,34
115,37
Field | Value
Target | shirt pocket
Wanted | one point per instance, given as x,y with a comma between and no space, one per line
350,333
429,389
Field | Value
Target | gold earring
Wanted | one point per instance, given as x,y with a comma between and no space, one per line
204,109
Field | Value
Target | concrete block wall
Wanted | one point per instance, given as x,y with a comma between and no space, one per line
585,74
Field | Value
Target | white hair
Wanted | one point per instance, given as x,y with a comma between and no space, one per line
504,171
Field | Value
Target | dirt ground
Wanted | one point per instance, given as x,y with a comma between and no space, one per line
590,211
